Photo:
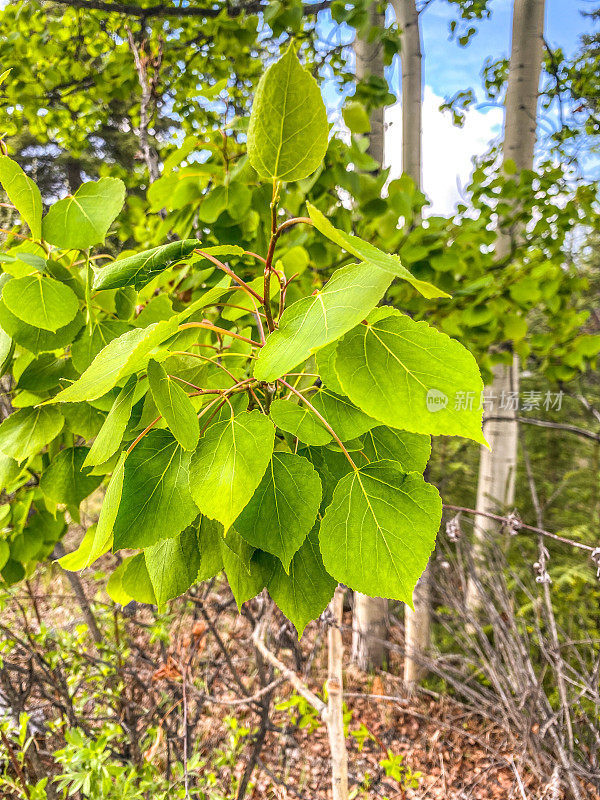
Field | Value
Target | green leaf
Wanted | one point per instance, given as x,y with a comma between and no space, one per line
110,436
345,418
119,359
246,576
315,321
174,405
379,531
26,431
283,508
410,450
138,270
91,548
77,558
87,346
82,420
408,375
325,362
114,586
210,535
228,465
9,471
82,220
390,264
173,564
41,302
45,372
304,594
23,194
356,117
300,421
288,132
136,581
37,340
156,502
66,481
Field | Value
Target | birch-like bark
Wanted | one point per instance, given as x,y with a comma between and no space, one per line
416,623
335,700
497,466
369,620
369,61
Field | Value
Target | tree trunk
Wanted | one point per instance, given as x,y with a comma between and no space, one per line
369,61
496,485
412,88
417,622
335,701
369,620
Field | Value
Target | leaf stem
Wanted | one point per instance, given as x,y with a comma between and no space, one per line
231,273
321,418
209,326
143,433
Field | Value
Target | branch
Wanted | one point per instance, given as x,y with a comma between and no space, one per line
544,423
168,10
288,674
516,524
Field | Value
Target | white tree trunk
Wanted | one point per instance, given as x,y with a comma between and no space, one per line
496,485
417,622
412,87
369,620
335,701
369,61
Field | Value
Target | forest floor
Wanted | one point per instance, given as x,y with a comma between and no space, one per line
452,752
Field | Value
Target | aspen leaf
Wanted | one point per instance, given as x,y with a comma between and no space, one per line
288,131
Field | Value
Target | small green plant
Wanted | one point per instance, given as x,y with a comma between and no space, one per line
282,443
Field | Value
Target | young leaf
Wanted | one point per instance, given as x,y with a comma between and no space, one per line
305,593
66,481
283,508
345,418
370,254
300,421
37,340
136,581
27,430
246,575
156,502
41,302
82,220
379,531
139,269
119,359
325,362
210,536
103,534
228,465
173,564
315,321
111,434
410,450
23,194
88,344
410,376
82,420
288,131
174,405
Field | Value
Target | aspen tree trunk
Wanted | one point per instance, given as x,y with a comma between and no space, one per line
335,701
496,485
417,622
369,620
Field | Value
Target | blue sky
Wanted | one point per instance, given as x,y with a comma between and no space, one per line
449,67
448,151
